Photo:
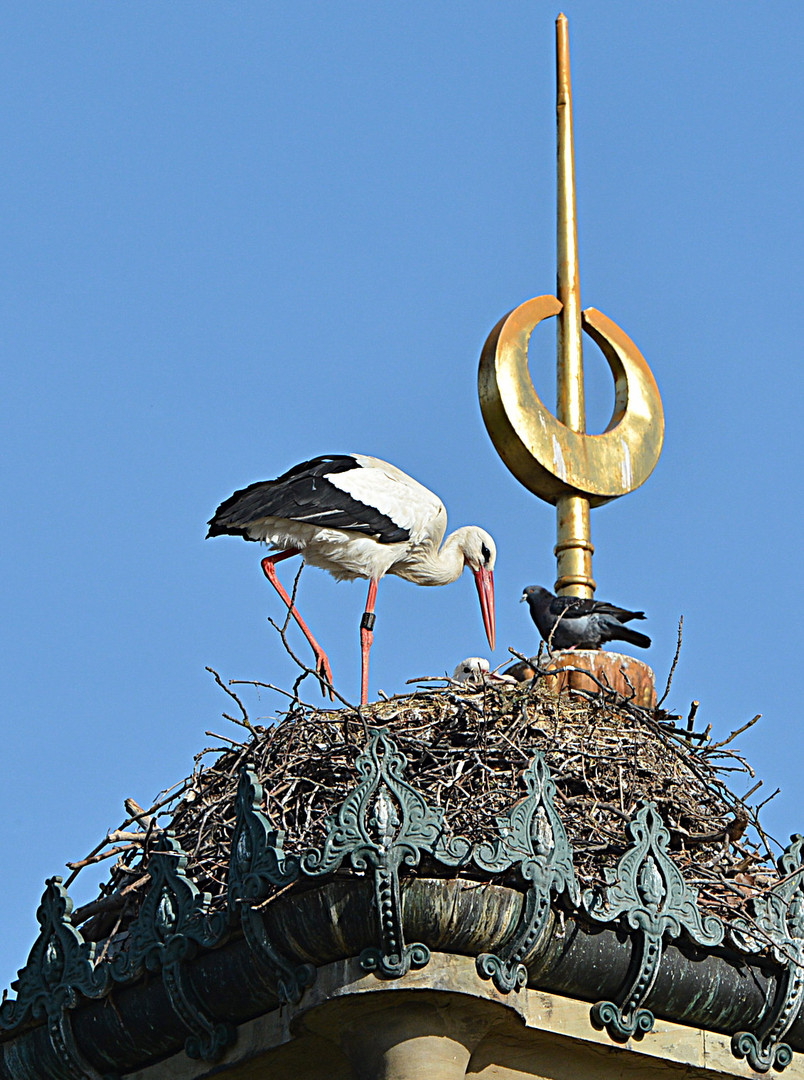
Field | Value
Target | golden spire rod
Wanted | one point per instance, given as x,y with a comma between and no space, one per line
571,405
551,454
574,548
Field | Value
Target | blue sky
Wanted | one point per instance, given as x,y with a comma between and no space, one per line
236,235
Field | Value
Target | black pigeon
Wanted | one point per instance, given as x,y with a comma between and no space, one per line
570,622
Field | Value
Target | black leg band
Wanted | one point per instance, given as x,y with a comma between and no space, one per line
368,620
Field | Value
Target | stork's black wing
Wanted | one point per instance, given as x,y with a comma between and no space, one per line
304,493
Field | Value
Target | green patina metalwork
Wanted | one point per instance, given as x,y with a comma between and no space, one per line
779,928
258,865
383,824
383,827
649,893
533,840
60,966
172,924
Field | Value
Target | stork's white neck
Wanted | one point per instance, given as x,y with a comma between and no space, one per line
432,566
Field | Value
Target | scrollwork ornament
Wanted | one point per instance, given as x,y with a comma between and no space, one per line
778,927
647,892
173,922
258,861
258,864
173,919
207,1039
60,966
532,838
384,823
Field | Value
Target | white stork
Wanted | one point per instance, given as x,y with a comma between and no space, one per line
358,517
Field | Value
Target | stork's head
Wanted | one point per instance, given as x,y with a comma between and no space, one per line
471,670
479,554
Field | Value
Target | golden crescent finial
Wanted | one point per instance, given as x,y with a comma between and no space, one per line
552,455
548,457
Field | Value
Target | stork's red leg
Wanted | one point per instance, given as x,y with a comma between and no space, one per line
366,639
322,667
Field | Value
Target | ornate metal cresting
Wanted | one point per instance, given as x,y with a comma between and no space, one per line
779,927
382,825
61,965
257,866
552,455
533,840
172,924
647,889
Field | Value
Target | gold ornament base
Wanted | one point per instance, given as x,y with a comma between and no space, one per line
625,674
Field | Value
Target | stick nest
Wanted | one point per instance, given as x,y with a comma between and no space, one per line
466,750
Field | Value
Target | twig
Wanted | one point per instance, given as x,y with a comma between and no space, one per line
663,698
245,722
734,734
694,706
765,802
174,793
99,857
224,738
137,812
294,697
271,686
308,670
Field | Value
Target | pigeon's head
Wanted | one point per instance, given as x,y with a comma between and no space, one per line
535,594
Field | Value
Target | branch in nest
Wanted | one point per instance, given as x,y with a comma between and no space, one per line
733,735
673,665
244,722
100,856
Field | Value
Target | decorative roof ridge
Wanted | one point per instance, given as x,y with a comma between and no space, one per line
380,829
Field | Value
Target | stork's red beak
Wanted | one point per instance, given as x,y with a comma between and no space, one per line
484,579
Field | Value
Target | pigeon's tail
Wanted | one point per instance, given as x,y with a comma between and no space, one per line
633,637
